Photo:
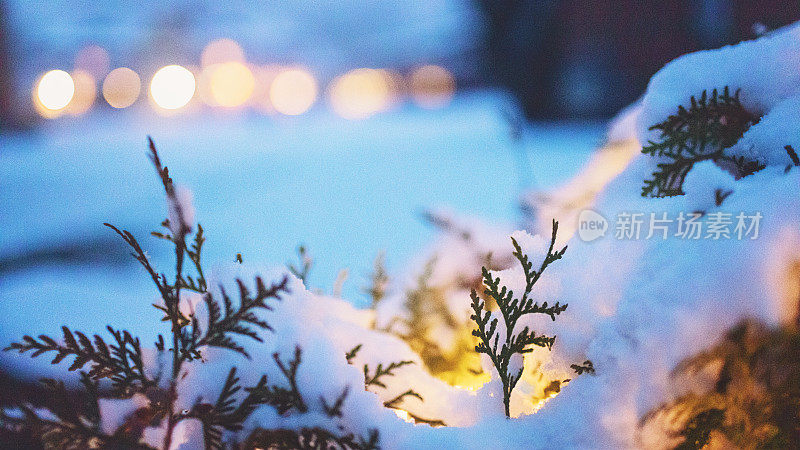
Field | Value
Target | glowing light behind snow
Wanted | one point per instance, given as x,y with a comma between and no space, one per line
293,91
172,87
54,92
121,87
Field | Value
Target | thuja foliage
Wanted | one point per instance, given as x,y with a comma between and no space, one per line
118,363
754,398
700,132
375,379
427,310
304,263
503,346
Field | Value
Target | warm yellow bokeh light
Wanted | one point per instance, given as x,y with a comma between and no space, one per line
231,84
172,87
55,90
432,86
221,51
121,87
293,91
361,93
85,93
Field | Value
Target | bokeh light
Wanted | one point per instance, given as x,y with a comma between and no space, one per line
121,87
264,77
93,60
231,84
361,93
85,93
432,86
172,87
293,91
54,91
221,51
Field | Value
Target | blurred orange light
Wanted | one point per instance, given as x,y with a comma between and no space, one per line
293,91
121,87
172,87
221,51
231,84
361,93
53,92
432,86
85,93
93,60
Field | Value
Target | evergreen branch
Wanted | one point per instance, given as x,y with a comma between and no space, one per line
224,321
379,280
395,402
335,410
381,371
375,380
585,367
698,133
289,370
698,429
159,280
792,155
352,353
57,434
302,269
431,422
311,439
511,310
226,414
121,361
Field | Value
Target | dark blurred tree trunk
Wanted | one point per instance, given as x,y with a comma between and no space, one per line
523,50
593,57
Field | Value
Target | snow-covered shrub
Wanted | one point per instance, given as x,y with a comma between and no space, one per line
145,402
265,365
752,394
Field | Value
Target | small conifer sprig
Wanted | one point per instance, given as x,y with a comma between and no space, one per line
312,439
585,367
225,321
120,360
700,132
375,380
379,282
226,414
381,371
305,262
512,309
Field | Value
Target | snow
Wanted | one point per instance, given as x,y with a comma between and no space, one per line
766,140
637,307
347,190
